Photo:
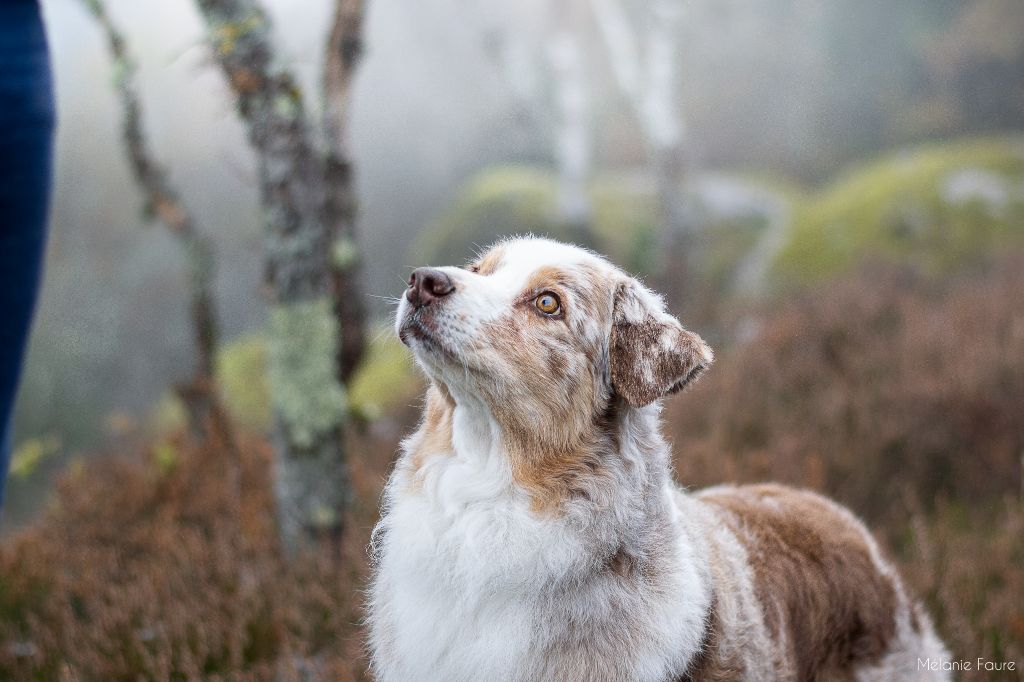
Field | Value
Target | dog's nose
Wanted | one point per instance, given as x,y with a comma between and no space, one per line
426,285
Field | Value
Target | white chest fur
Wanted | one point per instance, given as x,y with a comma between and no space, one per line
462,562
473,585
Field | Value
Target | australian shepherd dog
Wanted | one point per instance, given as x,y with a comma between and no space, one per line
532,530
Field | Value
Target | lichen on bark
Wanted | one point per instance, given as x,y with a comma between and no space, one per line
344,253
225,35
306,393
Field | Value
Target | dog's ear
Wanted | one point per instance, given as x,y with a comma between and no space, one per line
651,355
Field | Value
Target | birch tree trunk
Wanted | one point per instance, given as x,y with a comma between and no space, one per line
344,48
646,73
311,484
664,131
574,134
164,203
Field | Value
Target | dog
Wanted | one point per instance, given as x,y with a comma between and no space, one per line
531,529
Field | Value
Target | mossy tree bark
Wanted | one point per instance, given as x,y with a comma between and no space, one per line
164,204
306,253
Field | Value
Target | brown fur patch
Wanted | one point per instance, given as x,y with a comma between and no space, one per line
548,402
490,261
815,579
435,433
552,479
555,445
545,277
650,359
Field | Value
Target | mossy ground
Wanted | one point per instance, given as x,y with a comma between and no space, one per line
939,207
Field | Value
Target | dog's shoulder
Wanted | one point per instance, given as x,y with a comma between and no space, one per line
826,594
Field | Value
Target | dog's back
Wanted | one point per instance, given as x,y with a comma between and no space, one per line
803,592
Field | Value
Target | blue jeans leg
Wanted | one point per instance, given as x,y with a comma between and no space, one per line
26,147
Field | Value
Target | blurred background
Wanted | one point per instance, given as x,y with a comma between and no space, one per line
830,192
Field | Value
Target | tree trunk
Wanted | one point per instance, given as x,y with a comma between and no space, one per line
664,133
573,136
164,204
312,485
344,48
648,79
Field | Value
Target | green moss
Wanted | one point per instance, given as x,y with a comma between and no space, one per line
242,377
165,456
225,35
30,453
123,71
938,207
287,105
300,361
624,221
511,200
344,253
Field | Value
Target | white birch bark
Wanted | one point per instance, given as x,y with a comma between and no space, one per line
647,75
573,126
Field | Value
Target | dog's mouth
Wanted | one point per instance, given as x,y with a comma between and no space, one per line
421,328
413,327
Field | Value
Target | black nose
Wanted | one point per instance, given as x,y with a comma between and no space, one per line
426,285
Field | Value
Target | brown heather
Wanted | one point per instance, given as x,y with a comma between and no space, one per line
902,398
148,571
899,396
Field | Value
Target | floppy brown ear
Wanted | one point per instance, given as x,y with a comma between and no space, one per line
651,355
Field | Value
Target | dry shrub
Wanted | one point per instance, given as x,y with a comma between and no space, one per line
968,566
871,385
166,566
904,398
900,396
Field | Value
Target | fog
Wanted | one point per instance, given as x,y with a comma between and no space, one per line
792,90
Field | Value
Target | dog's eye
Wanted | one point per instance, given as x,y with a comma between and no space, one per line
548,303
473,268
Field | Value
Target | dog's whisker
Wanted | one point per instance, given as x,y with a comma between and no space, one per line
380,337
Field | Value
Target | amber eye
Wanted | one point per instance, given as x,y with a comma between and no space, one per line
548,303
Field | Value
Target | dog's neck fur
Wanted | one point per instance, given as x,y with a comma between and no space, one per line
609,585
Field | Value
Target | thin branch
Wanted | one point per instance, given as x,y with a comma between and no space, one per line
344,49
162,200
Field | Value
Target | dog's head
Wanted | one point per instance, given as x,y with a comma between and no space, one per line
545,336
